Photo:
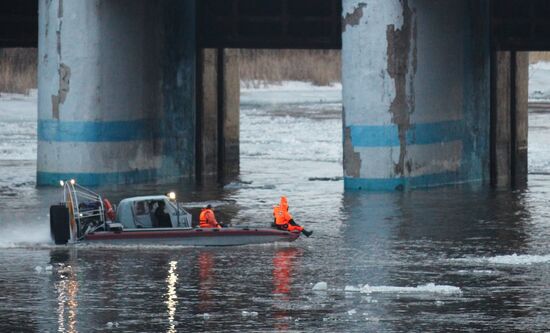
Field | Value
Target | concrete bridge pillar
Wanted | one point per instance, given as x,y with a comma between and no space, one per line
416,93
218,109
510,80
116,91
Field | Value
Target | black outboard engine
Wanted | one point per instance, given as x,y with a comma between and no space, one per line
60,224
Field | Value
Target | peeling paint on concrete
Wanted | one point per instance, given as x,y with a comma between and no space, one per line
399,69
352,159
64,86
353,18
416,118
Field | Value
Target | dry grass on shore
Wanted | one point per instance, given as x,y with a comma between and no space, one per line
18,70
259,67
18,67
535,57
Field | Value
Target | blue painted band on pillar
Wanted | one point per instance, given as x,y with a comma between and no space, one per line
95,179
420,134
392,184
96,131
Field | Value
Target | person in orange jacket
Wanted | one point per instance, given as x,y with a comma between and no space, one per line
283,219
207,219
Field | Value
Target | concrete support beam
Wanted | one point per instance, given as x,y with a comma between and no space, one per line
416,93
509,119
218,114
207,113
231,113
116,91
521,119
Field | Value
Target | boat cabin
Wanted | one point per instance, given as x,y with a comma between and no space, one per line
156,211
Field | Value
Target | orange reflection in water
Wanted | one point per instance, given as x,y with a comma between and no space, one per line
283,265
206,265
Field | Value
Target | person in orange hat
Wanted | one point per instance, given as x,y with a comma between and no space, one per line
283,219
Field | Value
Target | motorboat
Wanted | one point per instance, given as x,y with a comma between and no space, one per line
85,217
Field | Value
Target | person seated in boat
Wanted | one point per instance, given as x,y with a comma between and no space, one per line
285,221
142,217
163,218
207,218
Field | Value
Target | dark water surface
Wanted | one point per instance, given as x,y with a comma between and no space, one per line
454,258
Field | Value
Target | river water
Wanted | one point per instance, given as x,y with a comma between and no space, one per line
446,259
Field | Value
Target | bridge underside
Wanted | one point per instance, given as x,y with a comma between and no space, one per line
131,91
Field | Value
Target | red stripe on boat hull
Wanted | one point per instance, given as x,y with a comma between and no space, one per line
228,235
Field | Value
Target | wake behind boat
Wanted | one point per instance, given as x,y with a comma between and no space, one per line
84,216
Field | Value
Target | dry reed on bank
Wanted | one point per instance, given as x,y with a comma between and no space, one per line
18,69
535,57
260,67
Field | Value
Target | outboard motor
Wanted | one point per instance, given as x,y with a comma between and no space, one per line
60,224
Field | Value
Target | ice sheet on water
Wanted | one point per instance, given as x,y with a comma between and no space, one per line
288,85
476,272
290,92
539,80
352,289
513,259
429,288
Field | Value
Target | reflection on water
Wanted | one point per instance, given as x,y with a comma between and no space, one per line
206,281
67,289
283,263
171,296
409,248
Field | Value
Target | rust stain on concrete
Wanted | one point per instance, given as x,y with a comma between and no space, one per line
400,42
353,18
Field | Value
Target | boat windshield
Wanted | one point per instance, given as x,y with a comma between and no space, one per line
155,213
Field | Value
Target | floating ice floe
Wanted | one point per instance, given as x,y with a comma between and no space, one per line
352,289
249,313
429,288
512,259
204,315
476,272
320,286
515,259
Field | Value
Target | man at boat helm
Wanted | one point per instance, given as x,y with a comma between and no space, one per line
283,219
207,219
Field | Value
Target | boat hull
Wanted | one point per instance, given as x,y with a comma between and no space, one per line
193,237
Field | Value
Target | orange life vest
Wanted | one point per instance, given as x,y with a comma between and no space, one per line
283,217
207,219
109,211
280,212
